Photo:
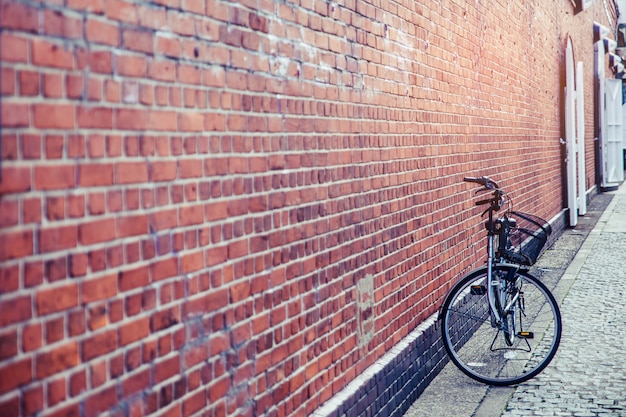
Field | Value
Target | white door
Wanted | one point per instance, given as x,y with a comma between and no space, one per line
611,140
580,137
570,133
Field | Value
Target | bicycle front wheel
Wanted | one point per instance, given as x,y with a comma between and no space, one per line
507,352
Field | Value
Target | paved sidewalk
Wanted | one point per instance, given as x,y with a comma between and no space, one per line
587,378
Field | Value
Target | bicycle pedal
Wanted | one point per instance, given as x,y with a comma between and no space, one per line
478,290
526,335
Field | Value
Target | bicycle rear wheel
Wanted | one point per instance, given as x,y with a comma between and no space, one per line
504,353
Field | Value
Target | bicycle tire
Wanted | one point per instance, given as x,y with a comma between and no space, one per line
477,346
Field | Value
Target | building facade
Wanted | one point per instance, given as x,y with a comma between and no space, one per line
255,208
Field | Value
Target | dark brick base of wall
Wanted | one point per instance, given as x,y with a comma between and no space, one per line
392,384
389,387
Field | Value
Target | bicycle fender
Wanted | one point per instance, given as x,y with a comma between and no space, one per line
477,271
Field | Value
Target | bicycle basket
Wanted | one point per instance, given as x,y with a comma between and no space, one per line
527,239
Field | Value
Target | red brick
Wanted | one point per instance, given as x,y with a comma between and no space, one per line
29,83
96,231
55,208
54,177
76,323
100,401
138,40
191,215
15,180
56,269
62,25
136,382
130,65
9,278
57,360
31,210
219,388
56,392
134,278
54,146
162,70
33,400
163,269
94,175
71,410
99,288
58,238
13,48
194,403
131,172
76,206
48,54
130,119
95,117
132,225
7,81
15,245
168,46
54,330
19,17
15,374
163,171
32,337
54,116
57,299
166,368
99,344
162,120
122,11
8,344
102,31
192,262
52,85
93,6
15,115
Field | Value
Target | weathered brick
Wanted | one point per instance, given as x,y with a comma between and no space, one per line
96,231
56,360
99,344
58,238
8,344
95,117
13,48
98,289
134,278
14,245
93,175
101,31
54,116
19,17
100,401
17,374
48,54
57,299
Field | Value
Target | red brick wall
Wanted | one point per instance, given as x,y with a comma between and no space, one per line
191,190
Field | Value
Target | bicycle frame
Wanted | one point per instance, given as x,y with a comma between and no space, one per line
491,284
495,204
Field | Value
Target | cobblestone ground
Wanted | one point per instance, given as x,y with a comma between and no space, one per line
587,378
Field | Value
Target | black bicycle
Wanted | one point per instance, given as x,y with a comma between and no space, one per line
501,325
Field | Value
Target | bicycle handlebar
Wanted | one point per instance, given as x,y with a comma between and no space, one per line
486,182
496,201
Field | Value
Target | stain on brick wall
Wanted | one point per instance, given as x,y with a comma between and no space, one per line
365,310
217,208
